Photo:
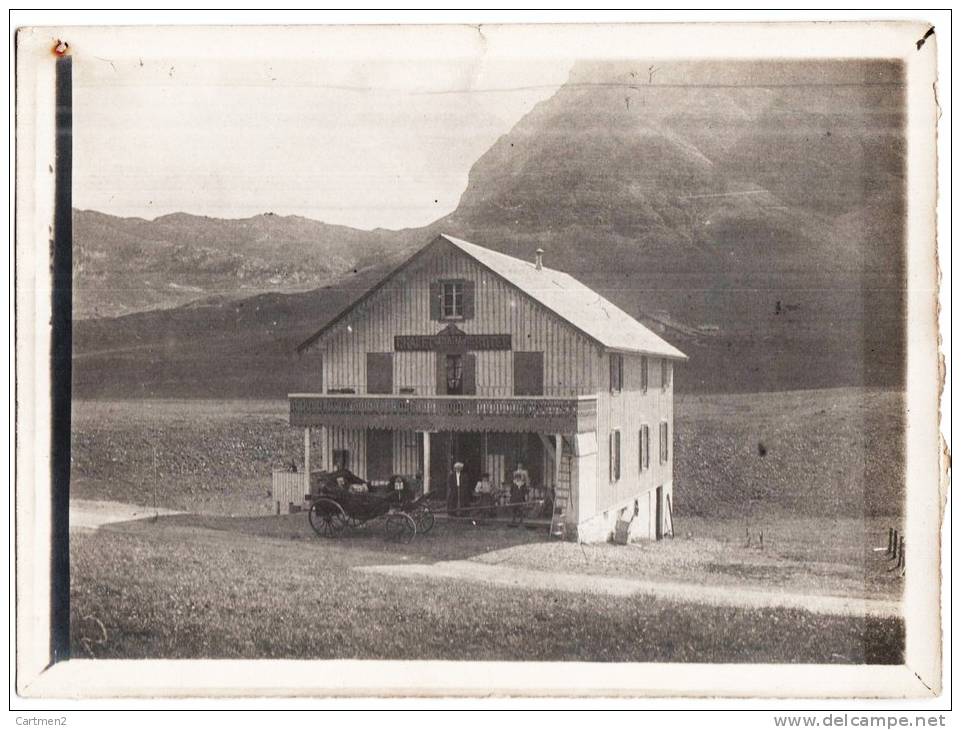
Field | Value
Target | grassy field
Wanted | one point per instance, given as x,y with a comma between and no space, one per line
180,589
833,453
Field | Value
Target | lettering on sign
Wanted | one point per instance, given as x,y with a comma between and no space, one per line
451,342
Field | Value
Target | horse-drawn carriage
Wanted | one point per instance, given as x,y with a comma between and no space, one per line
341,500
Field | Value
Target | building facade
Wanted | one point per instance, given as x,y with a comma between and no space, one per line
466,354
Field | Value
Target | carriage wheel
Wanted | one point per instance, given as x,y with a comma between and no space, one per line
400,527
327,517
424,520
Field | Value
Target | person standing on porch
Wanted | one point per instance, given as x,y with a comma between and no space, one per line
457,486
521,473
484,494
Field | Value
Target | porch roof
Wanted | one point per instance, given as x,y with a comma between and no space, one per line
545,414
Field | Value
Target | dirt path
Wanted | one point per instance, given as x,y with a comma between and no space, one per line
608,585
88,514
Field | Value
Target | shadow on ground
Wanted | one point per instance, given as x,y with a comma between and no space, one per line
448,540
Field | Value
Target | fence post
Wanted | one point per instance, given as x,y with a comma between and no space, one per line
890,540
894,544
901,553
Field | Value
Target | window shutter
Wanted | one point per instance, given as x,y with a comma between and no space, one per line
435,295
617,372
470,374
640,449
644,373
468,299
617,455
528,373
380,372
441,364
647,447
610,456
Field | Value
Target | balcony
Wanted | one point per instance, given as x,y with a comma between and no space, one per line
541,414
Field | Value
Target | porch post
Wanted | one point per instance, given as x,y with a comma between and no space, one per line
558,450
307,453
324,456
426,472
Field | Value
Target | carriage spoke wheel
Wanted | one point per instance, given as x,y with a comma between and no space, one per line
424,519
400,527
327,518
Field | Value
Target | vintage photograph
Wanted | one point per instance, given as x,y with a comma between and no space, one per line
426,352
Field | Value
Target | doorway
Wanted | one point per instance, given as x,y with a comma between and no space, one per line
446,447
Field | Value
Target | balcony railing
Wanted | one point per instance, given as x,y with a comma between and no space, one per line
545,414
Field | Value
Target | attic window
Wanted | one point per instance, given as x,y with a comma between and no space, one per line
617,372
452,299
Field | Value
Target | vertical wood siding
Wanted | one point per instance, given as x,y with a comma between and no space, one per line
628,411
355,441
407,453
402,308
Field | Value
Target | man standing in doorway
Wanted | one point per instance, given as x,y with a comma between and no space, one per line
457,486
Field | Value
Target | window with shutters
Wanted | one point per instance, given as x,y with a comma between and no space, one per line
665,374
617,372
455,375
452,300
615,455
644,448
644,369
665,444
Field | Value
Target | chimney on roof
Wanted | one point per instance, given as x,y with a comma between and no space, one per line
539,259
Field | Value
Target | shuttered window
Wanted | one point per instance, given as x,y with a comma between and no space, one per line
644,448
665,444
617,372
665,374
644,368
456,374
615,455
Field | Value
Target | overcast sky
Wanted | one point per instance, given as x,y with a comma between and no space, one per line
360,143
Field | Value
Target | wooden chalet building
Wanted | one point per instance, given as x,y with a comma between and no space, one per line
466,354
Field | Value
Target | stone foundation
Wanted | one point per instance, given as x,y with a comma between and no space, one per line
601,527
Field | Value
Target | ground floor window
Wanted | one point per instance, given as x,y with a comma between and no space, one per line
615,455
644,448
665,443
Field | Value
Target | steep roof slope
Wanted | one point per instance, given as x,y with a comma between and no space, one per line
571,300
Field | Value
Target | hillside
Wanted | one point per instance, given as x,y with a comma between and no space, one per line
752,213
125,265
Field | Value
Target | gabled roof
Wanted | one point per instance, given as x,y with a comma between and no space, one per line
581,307
584,308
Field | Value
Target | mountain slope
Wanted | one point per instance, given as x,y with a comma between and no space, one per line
752,213
125,265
